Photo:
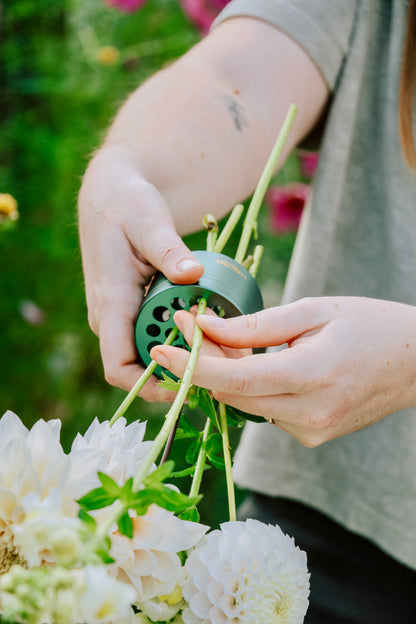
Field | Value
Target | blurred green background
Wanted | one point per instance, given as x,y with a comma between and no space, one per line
59,91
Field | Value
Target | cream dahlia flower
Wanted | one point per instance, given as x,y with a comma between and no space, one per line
246,573
150,560
119,450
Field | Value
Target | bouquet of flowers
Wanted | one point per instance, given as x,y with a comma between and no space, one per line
100,534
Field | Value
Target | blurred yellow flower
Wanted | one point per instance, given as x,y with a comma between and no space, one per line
8,207
108,55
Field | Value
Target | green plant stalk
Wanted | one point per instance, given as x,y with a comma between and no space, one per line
229,227
147,373
200,462
211,226
227,460
257,256
175,409
250,222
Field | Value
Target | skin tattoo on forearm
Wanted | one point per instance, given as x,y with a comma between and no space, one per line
237,112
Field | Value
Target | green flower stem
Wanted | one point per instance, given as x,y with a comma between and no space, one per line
228,228
228,463
211,226
200,462
148,372
250,222
175,409
257,256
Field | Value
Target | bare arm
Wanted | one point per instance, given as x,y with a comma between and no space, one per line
192,139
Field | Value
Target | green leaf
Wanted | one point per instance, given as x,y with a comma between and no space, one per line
169,384
240,414
105,557
125,525
183,473
87,519
164,497
160,474
192,451
97,499
207,406
213,444
109,485
217,461
127,489
191,514
187,430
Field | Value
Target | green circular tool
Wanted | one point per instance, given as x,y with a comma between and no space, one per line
229,288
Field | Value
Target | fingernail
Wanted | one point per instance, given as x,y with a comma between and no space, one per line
187,264
212,322
159,358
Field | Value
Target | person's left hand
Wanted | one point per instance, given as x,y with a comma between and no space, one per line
350,362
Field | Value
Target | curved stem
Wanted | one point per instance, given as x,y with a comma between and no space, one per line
228,228
200,462
228,463
250,222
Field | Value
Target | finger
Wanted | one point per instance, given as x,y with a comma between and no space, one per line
291,413
255,375
119,355
270,327
156,239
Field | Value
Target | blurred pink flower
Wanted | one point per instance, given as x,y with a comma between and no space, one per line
202,12
127,6
308,163
286,204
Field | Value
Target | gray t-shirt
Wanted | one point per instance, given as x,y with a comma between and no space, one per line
357,237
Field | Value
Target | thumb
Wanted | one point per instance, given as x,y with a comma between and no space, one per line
156,240
270,327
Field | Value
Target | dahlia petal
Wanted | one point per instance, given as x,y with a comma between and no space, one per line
215,591
145,562
201,605
168,566
217,616
11,427
190,618
7,503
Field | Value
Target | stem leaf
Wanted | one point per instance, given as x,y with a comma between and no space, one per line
97,499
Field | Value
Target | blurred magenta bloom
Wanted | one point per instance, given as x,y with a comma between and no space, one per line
127,6
286,205
308,163
202,12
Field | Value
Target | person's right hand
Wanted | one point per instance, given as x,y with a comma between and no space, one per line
126,234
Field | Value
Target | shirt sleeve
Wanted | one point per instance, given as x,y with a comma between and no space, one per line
322,28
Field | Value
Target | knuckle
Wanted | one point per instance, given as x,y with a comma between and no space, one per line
167,250
111,375
238,383
252,322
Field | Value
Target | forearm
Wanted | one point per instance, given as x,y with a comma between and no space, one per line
200,131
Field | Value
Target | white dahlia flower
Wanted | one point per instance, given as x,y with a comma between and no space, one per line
150,560
119,449
246,573
32,463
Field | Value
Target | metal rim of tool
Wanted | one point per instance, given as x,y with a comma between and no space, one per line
229,288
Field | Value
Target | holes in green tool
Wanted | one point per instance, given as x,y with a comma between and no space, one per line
153,330
161,314
219,310
151,345
178,303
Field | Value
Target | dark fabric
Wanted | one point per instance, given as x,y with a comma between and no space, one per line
352,580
